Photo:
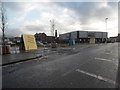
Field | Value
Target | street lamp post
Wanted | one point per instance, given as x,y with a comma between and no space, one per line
106,28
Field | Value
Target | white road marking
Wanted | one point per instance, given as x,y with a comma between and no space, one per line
102,59
97,76
66,73
112,61
107,53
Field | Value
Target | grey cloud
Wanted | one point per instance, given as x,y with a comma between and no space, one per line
86,11
20,6
14,6
37,28
113,4
13,32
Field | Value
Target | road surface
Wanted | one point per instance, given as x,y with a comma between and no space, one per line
87,66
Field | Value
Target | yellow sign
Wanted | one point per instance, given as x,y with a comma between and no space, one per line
29,42
92,41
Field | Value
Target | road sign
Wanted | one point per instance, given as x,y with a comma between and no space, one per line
29,42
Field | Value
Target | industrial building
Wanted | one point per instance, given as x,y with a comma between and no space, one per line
84,37
42,37
113,39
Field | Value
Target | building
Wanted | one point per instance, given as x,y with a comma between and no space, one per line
40,37
113,39
50,39
16,40
84,36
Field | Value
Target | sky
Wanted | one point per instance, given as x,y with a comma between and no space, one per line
35,17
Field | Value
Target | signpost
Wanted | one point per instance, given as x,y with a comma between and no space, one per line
29,42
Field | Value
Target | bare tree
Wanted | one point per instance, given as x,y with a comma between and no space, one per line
3,21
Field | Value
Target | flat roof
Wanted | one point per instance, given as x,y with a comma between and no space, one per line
83,31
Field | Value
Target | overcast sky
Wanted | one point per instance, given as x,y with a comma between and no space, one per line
34,17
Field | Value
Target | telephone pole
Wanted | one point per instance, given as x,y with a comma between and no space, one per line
52,27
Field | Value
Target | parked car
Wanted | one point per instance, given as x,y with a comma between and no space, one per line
45,43
39,43
10,43
54,45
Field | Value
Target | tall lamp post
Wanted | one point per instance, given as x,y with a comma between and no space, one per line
106,28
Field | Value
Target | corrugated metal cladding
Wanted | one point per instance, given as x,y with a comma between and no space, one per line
105,34
83,34
98,35
73,35
64,36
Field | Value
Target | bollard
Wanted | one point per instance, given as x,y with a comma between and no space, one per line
6,49
3,50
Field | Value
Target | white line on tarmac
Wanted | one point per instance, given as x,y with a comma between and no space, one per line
102,59
66,73
96,76
107,53
112,61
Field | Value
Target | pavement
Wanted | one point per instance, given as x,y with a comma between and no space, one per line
20,56
87,66
17,56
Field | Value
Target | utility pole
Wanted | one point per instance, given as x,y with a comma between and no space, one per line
52,27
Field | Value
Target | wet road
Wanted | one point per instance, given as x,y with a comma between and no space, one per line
89,66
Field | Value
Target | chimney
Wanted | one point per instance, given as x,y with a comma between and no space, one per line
55,33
